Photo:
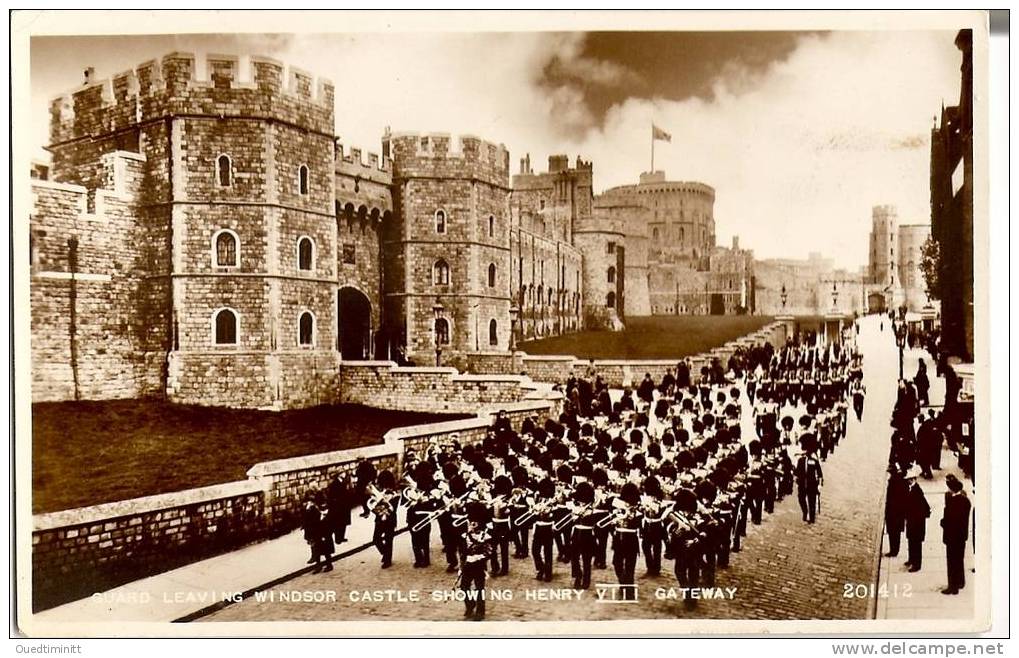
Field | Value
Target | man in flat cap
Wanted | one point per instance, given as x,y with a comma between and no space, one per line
955,532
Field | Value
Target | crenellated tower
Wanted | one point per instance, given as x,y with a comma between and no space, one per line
235,219
447,265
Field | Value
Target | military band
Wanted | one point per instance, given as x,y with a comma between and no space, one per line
665,472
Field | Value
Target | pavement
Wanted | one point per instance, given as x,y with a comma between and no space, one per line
786,570
918,595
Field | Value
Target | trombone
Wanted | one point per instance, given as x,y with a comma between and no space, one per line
437,513
572,516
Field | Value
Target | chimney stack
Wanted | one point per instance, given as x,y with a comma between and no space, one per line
90,75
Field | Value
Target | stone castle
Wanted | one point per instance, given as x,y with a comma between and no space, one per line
212,242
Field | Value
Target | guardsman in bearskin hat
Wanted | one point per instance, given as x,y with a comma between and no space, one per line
809,478
686,539
541,547
520,502
476,549
652,524
624,539
582,534
502,489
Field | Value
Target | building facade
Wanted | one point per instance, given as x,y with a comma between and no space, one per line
952,210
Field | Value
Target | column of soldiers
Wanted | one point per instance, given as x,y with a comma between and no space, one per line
666,471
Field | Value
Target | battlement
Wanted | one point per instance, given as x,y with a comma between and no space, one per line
440,154
443,145
885,212
666,187
170,85
558,166
352,163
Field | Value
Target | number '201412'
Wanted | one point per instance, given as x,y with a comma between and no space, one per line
870,591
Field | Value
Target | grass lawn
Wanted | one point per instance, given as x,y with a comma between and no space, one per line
84,453
651,337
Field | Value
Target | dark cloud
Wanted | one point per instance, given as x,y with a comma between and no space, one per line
607,68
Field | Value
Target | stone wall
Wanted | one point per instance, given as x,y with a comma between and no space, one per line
81,551
384,384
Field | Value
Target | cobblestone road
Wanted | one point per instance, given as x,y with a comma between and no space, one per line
787,569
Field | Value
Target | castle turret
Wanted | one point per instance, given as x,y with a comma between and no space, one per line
447,270
235,228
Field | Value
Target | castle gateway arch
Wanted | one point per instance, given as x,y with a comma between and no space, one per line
354,324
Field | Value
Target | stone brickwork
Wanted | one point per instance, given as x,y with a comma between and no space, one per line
384,384
99,324
190,196
546,264
81,551
451,202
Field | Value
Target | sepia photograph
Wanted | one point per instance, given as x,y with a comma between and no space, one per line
553,323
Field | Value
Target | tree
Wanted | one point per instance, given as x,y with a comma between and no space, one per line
930,265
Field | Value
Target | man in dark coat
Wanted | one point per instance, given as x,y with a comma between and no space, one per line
917,512
809,479
682,374
922,384
338,500
955,532
646,389
928,444
896,499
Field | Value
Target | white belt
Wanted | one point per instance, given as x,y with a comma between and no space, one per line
500,520
626,530
542,523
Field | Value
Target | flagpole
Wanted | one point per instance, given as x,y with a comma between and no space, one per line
652,147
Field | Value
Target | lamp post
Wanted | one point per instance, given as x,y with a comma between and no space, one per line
514,313
834,295
900,341
438,310
785,297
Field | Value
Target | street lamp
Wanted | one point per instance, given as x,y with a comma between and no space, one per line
834,295
438,310
785,297
900,341
514,313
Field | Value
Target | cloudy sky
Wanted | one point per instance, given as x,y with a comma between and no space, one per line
799,133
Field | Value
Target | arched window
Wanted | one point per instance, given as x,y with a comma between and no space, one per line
224,171
441,331
493,333
612,275
305,254
654,233
440,221
440,273
491,226
225,249
491,275
226,327
682,234
306,329
610,300
302,180
550,291
541,297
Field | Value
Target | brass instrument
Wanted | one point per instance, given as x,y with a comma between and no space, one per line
437,513
622,510
380,501
569,518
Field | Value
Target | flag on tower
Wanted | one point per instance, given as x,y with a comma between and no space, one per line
658,133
